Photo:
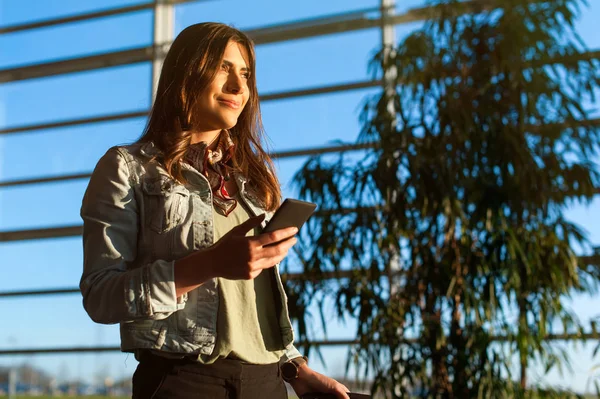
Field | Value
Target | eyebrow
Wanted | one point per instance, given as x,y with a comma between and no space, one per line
230,64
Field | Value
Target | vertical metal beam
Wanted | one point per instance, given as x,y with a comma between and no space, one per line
12,382
388,44
164,28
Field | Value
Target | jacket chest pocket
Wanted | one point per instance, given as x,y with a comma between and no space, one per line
167,203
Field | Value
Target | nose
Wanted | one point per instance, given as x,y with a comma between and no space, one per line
235,84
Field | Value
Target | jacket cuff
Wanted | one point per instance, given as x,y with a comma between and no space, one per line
158,289
290,353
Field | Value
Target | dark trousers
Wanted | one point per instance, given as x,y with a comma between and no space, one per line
160,378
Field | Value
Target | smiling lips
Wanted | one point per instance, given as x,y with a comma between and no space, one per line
229,103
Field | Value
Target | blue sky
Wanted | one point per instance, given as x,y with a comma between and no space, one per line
304,122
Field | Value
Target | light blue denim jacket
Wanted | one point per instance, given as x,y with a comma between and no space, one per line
136,222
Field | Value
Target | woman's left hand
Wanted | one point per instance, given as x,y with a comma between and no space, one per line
310,381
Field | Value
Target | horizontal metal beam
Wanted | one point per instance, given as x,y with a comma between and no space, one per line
83,17
320,26
96,349
275,155
329,342
327,275
313,91
87,63
75,231
36,234
75,18
47,179
302,152
57,291
74,122
53,351
566,59
353,21
74,290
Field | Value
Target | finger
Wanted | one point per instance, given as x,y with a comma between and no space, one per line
281,248
254,274
270,256
248,225
268,262
273,237
342,393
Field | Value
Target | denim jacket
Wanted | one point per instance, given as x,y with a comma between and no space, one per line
137,221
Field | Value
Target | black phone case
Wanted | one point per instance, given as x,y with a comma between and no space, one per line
291,213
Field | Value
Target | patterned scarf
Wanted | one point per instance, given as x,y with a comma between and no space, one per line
216,166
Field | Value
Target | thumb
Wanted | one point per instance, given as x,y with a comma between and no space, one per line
248,225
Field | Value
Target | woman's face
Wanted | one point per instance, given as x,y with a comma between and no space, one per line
222,102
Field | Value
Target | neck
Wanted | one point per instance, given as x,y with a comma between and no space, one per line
209,137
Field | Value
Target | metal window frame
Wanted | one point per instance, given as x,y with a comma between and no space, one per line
320,26
311,27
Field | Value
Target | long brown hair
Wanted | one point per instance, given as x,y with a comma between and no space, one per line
190,65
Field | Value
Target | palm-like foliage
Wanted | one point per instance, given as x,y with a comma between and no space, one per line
461,257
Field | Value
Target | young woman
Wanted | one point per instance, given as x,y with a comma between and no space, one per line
172,244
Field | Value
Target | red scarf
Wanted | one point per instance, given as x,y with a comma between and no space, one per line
216,166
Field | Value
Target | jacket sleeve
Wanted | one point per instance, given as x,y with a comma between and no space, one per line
289,354
113,292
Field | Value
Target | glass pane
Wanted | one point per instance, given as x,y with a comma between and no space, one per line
56,263
57,42
405,5
286,168
78,375
43,205
79,95
580,374
587,25
314,120
259,13
42,264
587,216
13,12
67,308
316,61
74,149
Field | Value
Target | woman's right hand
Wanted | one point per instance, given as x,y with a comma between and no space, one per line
235,256
238,257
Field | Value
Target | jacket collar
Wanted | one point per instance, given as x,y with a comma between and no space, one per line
150,150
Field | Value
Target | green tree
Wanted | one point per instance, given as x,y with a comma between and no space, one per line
453,224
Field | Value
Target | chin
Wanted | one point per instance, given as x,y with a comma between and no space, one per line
229,124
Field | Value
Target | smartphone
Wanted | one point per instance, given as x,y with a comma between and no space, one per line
332,396
292,213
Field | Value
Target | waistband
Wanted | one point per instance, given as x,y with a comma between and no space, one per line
231,369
